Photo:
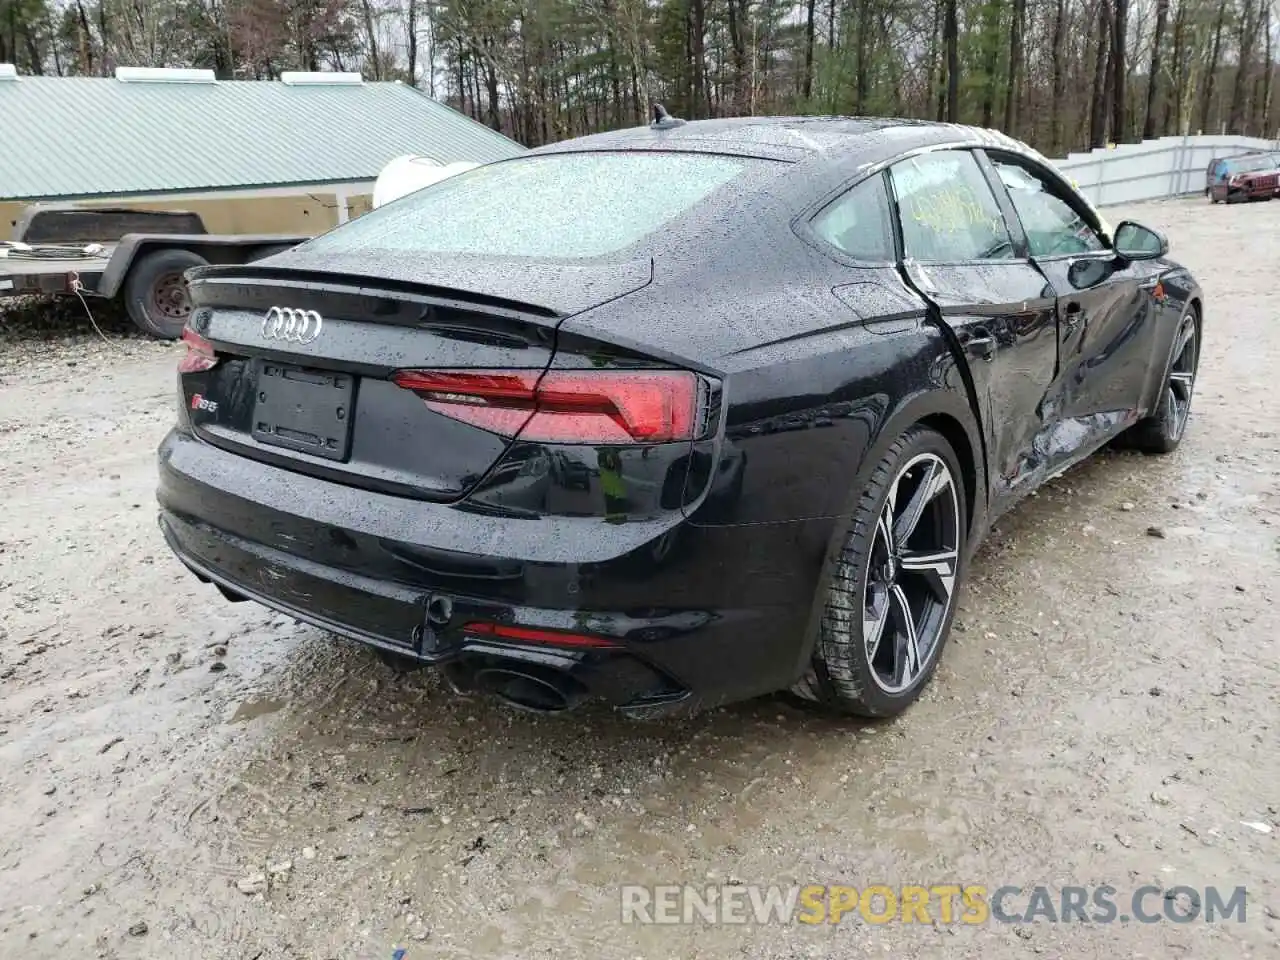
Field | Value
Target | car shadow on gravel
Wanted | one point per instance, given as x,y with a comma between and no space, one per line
340,727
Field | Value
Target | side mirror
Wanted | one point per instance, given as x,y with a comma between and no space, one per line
1133,241
1091,271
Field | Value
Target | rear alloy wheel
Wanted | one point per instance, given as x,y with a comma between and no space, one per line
156,295
892,596
1162,431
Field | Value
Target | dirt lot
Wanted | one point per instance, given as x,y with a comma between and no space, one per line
1108,714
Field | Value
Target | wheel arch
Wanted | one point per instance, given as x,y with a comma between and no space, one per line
958,437
1182,295
946,411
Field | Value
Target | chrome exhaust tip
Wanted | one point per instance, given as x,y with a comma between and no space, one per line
529,690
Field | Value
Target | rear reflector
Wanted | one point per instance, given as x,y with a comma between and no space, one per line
557,638
199,356
565,406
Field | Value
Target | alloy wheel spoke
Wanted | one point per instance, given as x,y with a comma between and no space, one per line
888,513
874,619
935,480
1180,384
912,570
1186,345
884,526
937,569
906,665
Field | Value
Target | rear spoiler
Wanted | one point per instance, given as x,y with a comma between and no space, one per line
540,287
311,278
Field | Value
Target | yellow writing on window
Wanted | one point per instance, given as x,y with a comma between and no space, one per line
951,209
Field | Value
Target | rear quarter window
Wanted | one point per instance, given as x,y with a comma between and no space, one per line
565,206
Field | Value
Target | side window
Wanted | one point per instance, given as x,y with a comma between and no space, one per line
1053,226
857,223
948,210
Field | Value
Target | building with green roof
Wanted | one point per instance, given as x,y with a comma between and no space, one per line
302,152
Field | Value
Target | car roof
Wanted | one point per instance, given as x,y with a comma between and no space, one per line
868,139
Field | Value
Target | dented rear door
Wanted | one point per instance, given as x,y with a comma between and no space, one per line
960,256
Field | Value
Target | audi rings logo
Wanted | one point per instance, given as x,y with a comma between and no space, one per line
292,325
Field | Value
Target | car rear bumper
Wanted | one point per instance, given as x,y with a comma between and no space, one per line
723,616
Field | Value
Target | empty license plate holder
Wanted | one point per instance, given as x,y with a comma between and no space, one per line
309,411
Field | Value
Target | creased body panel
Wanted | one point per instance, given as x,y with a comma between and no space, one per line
1002,316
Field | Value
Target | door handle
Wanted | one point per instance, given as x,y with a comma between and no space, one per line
982,344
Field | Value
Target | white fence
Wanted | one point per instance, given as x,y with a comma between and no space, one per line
1152,169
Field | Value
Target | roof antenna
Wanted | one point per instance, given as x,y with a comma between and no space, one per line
663,120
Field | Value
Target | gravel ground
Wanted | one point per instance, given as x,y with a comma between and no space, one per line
185,778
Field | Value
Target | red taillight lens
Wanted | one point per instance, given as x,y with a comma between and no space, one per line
565,406
199,355
558,638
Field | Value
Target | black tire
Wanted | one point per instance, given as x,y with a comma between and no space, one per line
844,674
155,293
1163,430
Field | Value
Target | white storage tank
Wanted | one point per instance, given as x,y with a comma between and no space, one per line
404,175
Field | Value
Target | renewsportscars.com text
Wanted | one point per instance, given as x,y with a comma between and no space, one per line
935,903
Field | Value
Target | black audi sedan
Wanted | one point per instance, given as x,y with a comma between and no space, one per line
672,416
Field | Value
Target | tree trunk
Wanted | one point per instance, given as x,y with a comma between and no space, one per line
1059,77
700,92
737,11
951,31
807,90
1265,125
1098,115
411,27
86,39
371,38
990,24
491,88
862,80
1173,106
615,69
105,36
1119,128
936,70
1248,30
1016,27
1153,81
57,55
1212,73
33,49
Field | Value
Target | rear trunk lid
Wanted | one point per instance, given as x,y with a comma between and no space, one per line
306,352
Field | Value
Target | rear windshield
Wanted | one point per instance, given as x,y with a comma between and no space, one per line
560,206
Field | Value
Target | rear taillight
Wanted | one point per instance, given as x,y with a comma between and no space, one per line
565,406
199,355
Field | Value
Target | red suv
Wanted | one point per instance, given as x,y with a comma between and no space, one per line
1253,176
